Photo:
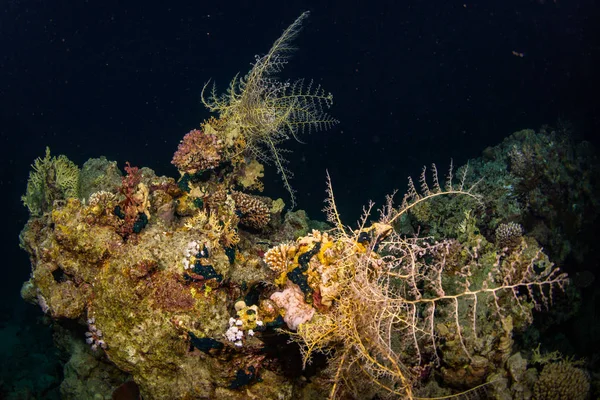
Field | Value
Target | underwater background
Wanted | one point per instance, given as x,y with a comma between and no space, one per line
413,83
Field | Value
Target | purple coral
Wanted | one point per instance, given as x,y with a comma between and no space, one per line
93,336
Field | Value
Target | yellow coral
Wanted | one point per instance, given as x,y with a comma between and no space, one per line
230,236
252,173
279,258
277,206
142,199
197,221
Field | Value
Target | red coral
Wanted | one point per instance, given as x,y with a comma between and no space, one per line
198,151
130,181
129,209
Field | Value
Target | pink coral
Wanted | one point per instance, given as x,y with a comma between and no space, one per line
296,309
198,151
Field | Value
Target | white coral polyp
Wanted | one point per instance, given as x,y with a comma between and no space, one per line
296,309
232,334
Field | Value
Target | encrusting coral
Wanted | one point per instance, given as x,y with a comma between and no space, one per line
188,285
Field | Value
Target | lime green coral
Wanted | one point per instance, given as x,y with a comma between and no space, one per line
52,178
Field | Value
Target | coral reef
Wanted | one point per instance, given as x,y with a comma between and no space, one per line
542,181
151,268
142,307
387,306
191,296
191,289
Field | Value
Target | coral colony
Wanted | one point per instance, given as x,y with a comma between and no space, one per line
199,287
94,336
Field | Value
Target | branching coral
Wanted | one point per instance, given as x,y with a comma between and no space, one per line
278,258
198,151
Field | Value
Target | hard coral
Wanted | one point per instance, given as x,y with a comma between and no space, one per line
562,380
117,260
253,212
279,258
509,235
198,151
